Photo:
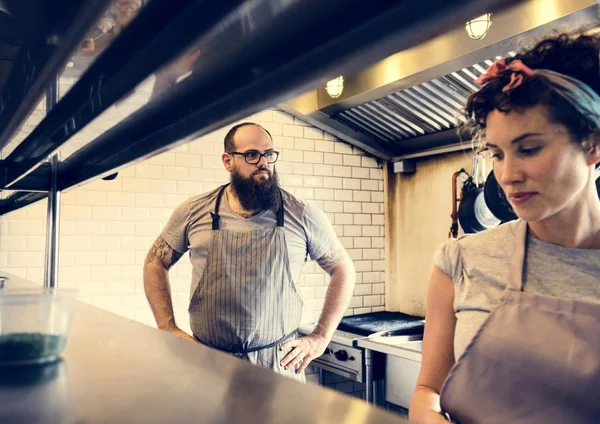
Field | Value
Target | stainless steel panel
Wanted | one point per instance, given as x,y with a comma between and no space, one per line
118,371
428,108
400,380
512,27
422,90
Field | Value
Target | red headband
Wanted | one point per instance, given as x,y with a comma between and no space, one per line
516,67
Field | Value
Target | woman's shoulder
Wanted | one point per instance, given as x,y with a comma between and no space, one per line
492,237
495,243
489,238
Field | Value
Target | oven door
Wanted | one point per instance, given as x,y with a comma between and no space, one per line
342,360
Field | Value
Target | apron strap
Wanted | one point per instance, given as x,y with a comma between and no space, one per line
280,210
216,219
240,352
518,258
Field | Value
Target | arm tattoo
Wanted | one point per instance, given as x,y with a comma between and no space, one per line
329,260
161,250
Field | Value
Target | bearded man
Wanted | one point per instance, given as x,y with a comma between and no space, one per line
248,243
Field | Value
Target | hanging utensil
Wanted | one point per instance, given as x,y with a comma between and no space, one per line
453,233
473,212
496,200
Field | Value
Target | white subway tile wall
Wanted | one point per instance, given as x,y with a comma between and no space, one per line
107,227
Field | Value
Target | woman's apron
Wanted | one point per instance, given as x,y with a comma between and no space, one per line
246,302
536,359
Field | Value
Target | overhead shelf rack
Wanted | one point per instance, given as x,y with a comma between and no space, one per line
42,34
254,54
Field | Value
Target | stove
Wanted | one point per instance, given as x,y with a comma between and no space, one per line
343,356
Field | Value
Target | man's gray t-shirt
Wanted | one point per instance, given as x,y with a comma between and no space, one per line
308,231
479,266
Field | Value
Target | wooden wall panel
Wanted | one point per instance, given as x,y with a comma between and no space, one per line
418,208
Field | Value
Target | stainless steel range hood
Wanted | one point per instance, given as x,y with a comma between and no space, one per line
406,105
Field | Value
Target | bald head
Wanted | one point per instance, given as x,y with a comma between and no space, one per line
245,133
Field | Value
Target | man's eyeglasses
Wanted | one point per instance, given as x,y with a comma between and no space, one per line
254,156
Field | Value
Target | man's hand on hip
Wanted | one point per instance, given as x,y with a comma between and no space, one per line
180,333
305,349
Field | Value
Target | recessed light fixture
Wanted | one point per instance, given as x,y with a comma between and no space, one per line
335,87
477,28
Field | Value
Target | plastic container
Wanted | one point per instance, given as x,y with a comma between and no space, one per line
34,324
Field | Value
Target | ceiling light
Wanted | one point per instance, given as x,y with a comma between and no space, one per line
106,23
335,87
129,6
477,28
88,46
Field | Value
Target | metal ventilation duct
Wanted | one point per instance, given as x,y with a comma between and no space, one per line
427,108
407,105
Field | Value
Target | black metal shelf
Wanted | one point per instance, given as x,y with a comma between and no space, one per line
254,54
57,29
158,35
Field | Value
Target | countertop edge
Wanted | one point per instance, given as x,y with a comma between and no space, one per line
401,351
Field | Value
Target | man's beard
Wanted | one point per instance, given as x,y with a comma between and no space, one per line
256,194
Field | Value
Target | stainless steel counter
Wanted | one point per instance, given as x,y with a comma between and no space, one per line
395,346
115,370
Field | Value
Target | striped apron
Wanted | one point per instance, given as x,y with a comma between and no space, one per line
535,360
246,302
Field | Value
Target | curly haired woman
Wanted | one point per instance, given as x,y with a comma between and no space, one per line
513,313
